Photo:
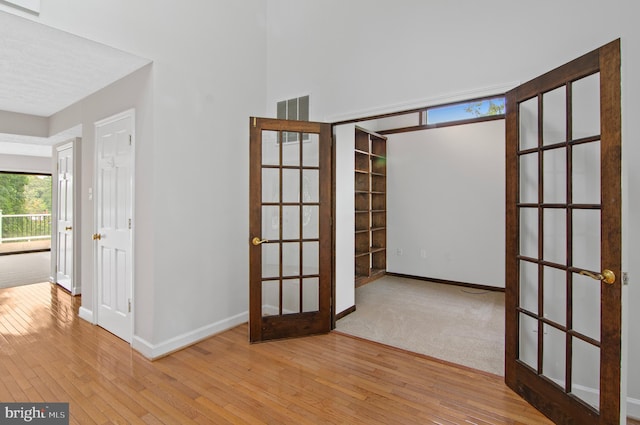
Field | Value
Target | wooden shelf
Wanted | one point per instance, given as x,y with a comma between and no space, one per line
370,167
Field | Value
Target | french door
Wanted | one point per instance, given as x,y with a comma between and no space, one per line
290,229
563,289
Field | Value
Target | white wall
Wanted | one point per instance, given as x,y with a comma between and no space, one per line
25,163
26,125
131,92
344,136
445,203
192,108
361,56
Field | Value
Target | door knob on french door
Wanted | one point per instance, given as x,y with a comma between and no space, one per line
97,236
257,241
68,228
606,276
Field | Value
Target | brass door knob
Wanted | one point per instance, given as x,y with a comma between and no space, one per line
257,241
606,276
97,236
68,228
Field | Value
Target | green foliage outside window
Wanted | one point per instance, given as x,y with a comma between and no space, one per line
23,194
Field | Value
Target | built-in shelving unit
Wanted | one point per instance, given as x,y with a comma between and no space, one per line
370,206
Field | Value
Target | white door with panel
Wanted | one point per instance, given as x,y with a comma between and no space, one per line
114,213
64,207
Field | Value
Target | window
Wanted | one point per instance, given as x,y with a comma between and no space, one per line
464,111
25,212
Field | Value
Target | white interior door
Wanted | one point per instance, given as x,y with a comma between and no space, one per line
64,246
114,212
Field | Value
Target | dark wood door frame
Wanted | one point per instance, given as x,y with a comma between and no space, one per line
285,324
554,402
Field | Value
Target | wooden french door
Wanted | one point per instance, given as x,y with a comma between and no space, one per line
563,292
290,229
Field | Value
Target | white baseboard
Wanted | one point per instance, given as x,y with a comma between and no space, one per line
153,352
86,314
633,408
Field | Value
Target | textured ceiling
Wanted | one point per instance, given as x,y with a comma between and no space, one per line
43,70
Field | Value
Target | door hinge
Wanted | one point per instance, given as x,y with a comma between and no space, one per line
625,278
129,305
129,224
130,139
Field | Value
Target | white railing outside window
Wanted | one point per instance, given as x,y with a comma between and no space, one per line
24,227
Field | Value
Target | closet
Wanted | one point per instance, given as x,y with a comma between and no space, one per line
370,206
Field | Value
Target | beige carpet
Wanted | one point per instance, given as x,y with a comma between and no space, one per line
453,323
24,269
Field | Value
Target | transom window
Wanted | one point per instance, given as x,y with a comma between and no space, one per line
464,111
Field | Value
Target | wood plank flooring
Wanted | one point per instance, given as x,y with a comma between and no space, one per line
48,354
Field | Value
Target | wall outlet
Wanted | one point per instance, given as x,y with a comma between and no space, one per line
423,254
398,251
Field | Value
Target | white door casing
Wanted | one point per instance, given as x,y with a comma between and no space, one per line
65,215
113,239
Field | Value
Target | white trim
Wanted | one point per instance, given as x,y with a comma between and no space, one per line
179,342
589,395
421,103
86,314
129,113
633,408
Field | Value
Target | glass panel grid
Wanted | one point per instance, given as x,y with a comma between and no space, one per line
291,181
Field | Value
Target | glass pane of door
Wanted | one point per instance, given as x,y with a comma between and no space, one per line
290,198
564,240
559,236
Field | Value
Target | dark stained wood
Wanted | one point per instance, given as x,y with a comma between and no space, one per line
611,236
48,354
581,67
512,289
284,325
345,313
542,393
449,282
255,224
370,206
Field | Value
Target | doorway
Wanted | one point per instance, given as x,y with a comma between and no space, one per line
452,175
25,228
563,226
65,236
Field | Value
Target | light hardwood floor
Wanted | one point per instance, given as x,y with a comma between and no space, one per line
48,354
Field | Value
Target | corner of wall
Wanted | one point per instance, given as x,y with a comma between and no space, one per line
86,314
156,351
